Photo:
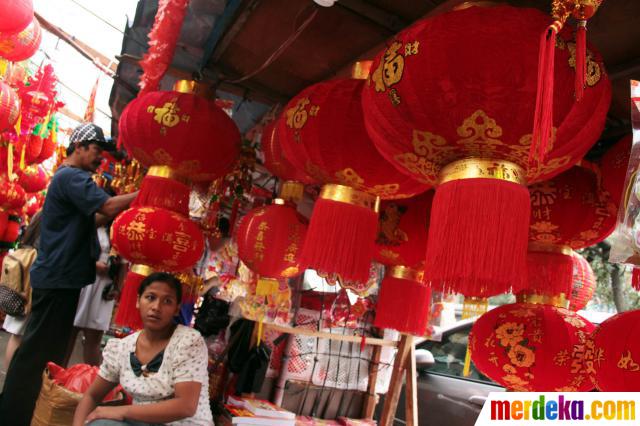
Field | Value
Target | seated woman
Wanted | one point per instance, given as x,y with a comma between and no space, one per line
163,367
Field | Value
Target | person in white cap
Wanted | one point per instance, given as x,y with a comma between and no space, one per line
66,262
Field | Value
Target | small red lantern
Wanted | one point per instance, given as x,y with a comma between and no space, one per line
583,285
16,15
469,133
322,133
33,178
9,106
21,45
11,231
613,167
270,240
12,195
615,353
158,238
48,149
532,348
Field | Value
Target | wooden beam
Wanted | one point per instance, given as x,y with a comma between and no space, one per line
371,398
233,31
395,385
411,389
389,21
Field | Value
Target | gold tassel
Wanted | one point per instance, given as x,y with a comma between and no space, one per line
22,156
10,162
472,307
18,125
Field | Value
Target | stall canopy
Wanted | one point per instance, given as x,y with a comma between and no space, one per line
260,53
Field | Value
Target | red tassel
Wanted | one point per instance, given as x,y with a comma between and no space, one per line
403,305
581,59
157,191
543,118
635,278
478,237
549,273
127,314
340,240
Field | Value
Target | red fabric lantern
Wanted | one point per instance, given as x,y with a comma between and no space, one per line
33,179
21,45
9,106
16,15
12,195
583,285
186,132
614,353
270,240
127,314
470,133
322,133
532,348
48,149
613,167
570,211
404,301
158,238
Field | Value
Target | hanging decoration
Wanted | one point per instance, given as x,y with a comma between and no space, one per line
614,353
16,15
162,43
322,133
21,45
9,106
613,166
583,284
533,348
470,134
33,178
404,300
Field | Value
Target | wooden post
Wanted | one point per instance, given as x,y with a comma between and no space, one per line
371,399
411,390
397,376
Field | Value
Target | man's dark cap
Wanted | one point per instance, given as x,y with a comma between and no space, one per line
86,134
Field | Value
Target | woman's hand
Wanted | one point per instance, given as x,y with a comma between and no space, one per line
102,269
108,413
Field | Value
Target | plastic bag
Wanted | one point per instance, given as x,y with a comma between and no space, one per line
625,242
78,378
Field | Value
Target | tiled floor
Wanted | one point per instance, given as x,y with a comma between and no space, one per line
76,357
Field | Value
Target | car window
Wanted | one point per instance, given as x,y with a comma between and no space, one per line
450,353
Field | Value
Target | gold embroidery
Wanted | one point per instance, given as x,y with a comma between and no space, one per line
479,134
168,115
594,73
521,356
510,333
627,363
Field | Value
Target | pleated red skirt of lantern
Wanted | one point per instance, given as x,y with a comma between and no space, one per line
533,348
162,187
127,314
550,272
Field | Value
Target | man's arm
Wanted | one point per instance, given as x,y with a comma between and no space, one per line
115,205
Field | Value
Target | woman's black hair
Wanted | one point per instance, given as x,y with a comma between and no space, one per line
164,277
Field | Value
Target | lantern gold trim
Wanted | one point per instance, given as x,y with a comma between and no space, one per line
348,195
558,300
405,273
143,270
548,248
292,191
483,168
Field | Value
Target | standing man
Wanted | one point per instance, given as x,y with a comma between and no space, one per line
66,262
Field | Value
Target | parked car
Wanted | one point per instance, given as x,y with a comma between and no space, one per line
443,391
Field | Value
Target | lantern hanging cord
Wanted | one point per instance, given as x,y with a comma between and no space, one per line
276,54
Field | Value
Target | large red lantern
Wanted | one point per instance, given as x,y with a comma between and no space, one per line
615,353
323,134
33,179
469,133
532,348
179,136
21,45
158,238
613,167
9,106
270,240
583,283
16,15
570,211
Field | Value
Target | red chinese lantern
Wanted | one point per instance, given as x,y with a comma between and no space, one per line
615,353
613,167
532,348
16,15
158,238
9,107
48,148
33,179
277,163
270,239
183,135
12,195
570,211
583,284
21,45
127,314
469,133
322,133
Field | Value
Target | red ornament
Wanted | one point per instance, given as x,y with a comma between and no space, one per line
532,348
21,45
16,15
11,231
570,211
470,133
48,149
12,195
33,179
613,167
270,239
158,238
9,107
584,283
616,353
275,160
322,133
